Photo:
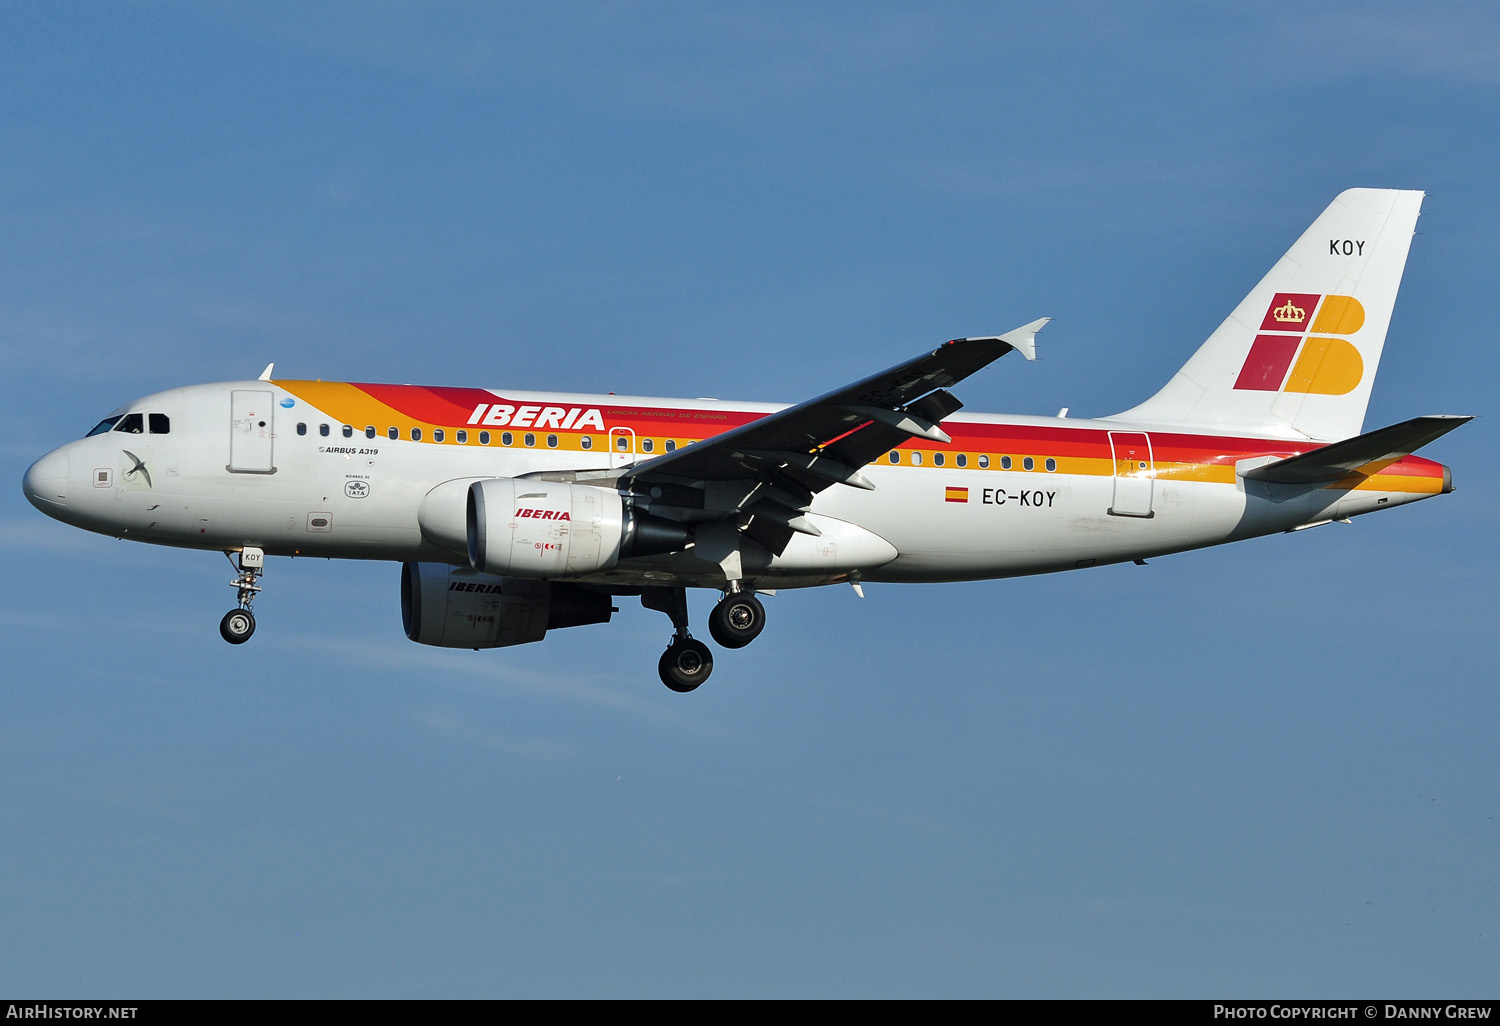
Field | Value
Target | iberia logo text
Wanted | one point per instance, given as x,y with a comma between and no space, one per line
542,514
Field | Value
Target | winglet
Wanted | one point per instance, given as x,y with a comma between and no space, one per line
1022,339
265,375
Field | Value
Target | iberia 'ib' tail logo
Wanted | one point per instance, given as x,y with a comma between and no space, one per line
1291,330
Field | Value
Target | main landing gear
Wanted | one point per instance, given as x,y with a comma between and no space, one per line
736,621
238,624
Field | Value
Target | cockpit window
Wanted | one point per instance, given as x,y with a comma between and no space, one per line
103,426
160,423
131,424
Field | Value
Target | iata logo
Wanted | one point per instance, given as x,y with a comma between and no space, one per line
1324,366
542,514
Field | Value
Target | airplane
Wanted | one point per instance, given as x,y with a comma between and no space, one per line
517,513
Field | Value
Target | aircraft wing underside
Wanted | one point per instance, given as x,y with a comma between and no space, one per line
770,470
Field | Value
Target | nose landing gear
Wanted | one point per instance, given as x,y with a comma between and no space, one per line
238,624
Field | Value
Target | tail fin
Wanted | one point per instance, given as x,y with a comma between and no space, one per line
1298,356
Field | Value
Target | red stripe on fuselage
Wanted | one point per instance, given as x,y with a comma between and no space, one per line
454,406
429,405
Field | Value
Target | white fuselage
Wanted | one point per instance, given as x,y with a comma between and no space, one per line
344,494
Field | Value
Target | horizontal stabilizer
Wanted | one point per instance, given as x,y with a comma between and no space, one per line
1367,453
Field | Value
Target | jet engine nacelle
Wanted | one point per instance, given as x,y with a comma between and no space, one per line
452,608
540,529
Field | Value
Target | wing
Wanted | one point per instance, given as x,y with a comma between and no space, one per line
771,469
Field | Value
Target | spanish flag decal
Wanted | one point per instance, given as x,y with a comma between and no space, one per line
955,495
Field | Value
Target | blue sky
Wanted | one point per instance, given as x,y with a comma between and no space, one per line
1261,770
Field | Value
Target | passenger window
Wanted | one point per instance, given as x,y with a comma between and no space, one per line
369,430
301,429
587,441
437,434
647,445
507,438
416,434
1004,462
916,459
484,438
131,424
160,425
462,437
348,431
937,459
530,439
392,433
894,457
961,460
1051,464
622,442
671,445
323,430
552,441
984,462
1028,463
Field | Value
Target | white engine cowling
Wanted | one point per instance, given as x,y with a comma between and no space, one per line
541,529
452,608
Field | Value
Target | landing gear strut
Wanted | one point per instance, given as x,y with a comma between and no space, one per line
687,662
238,624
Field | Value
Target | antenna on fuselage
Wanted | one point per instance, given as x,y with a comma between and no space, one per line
265,375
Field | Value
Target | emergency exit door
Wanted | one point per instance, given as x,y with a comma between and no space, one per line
1135,474
251,431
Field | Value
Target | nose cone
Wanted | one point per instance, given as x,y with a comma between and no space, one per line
46,483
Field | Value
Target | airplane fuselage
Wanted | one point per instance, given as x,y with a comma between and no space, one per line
1007,496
